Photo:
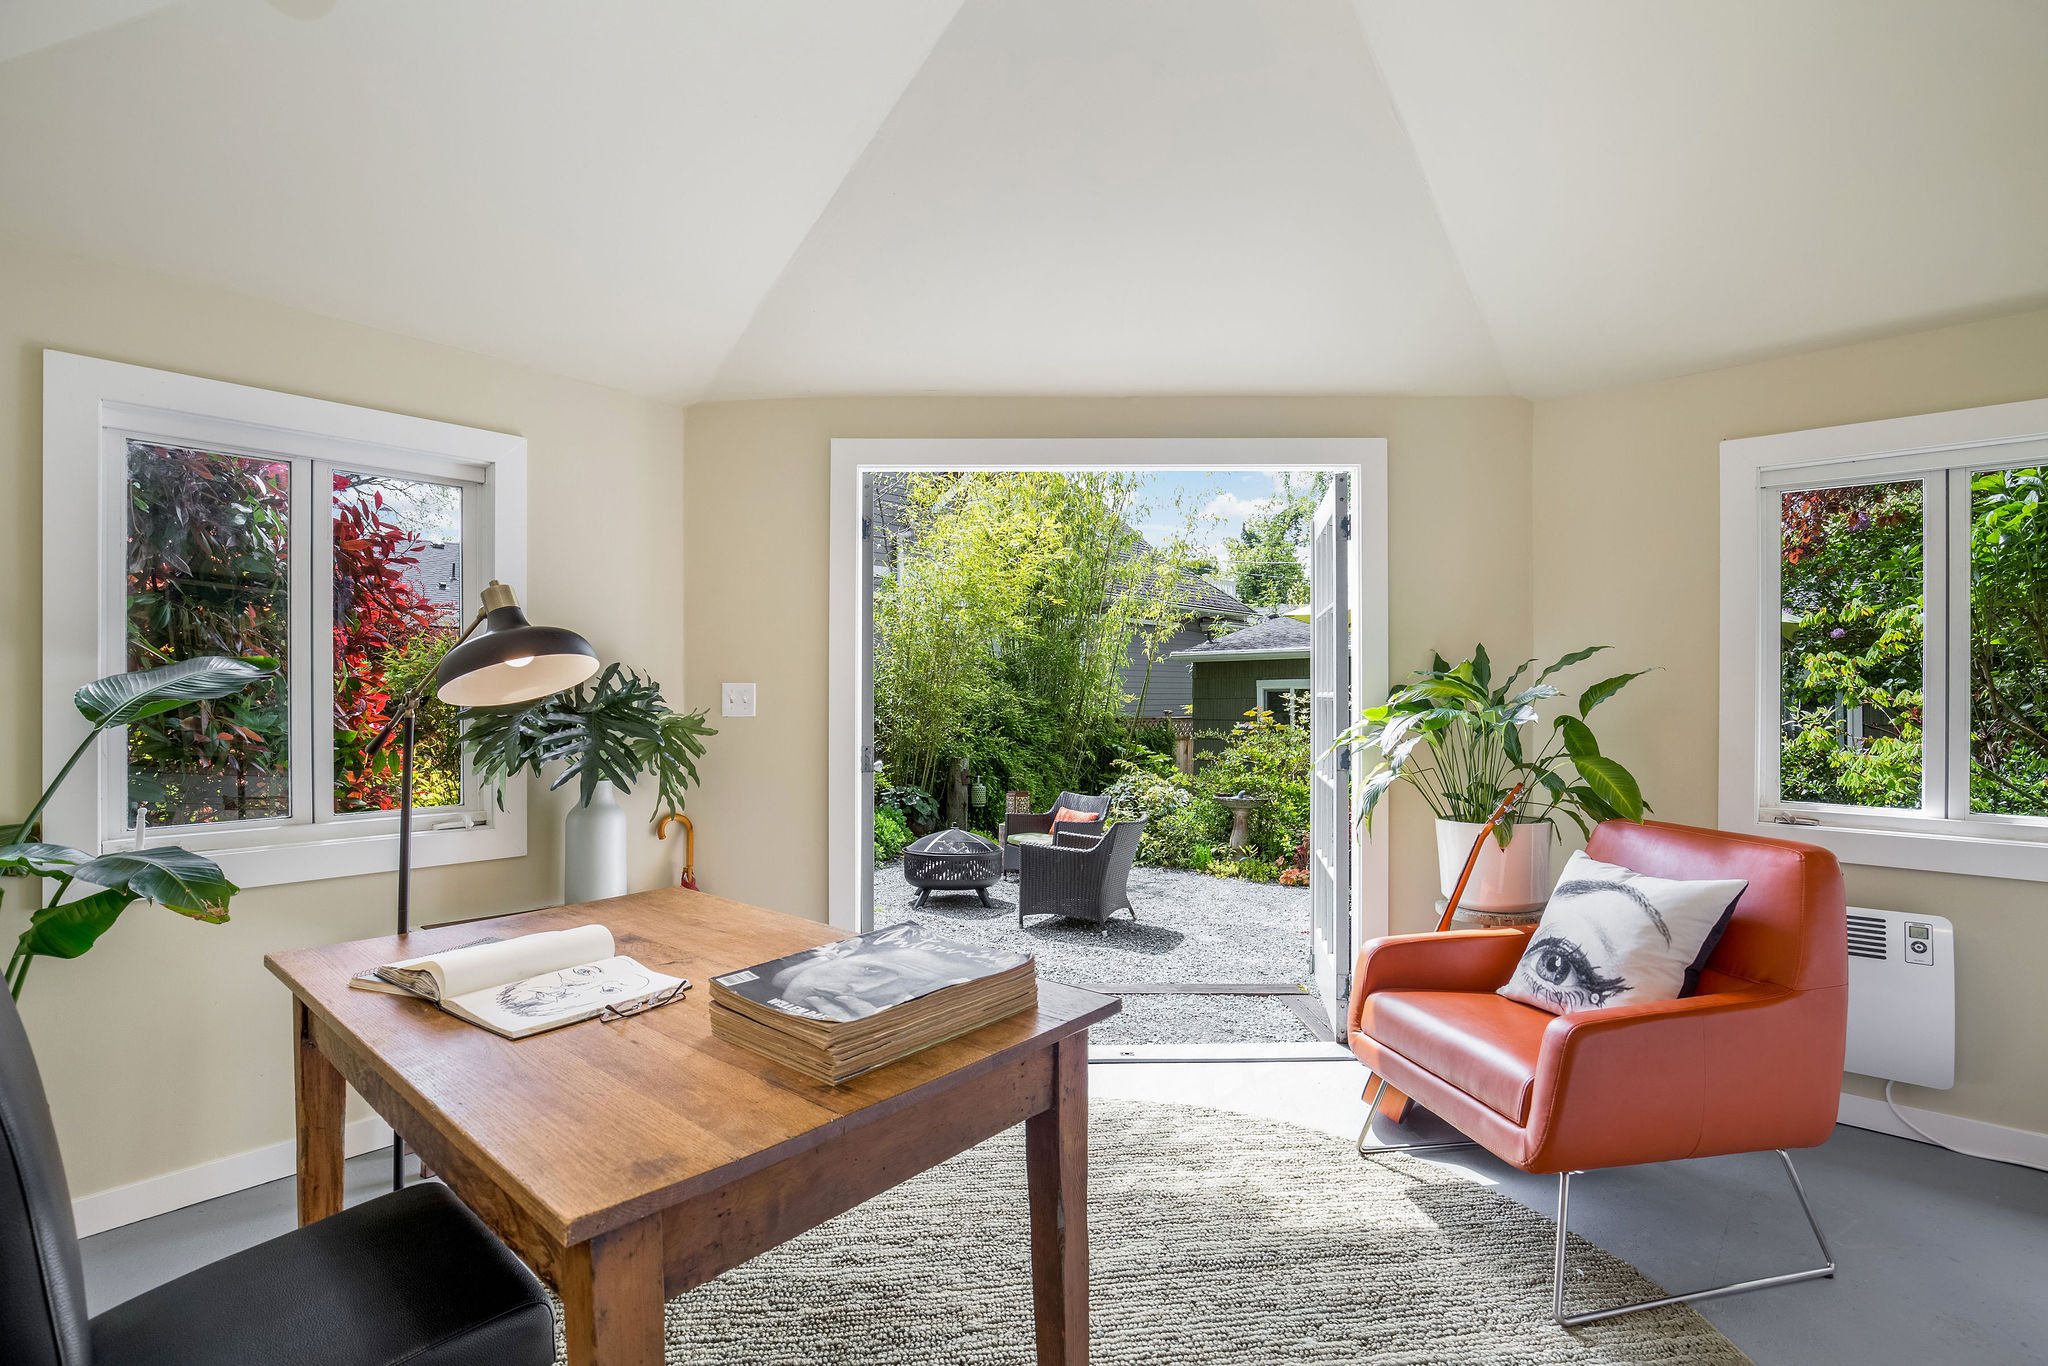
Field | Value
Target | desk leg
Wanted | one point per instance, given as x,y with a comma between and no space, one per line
1056,1168
322,1100
612,1297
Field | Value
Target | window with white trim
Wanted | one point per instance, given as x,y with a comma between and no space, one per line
1898,618
347,544
1286,698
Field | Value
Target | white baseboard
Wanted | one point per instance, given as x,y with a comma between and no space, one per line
102,1210
2022,1147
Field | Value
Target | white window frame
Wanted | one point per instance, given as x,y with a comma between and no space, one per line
91,408
1943,835
1288,684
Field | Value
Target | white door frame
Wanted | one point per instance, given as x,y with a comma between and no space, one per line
1363,458
1360,457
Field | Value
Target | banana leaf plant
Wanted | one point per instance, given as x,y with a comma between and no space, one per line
176,879
617,729
1464,741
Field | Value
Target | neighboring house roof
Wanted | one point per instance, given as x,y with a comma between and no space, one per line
1197,595
889,512
1273,638
436,571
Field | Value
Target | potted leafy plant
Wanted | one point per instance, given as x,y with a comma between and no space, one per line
174,878
607,734
1464,742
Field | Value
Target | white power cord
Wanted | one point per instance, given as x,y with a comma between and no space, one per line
1900,1116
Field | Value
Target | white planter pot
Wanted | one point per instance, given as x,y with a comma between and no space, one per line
1516,878
594,848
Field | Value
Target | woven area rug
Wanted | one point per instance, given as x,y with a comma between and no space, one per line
1217,1239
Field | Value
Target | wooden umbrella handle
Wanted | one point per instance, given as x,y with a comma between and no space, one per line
1500,813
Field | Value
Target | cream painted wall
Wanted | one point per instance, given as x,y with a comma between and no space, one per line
1627,531
167,1046
756,524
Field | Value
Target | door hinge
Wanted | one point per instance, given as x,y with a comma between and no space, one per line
1344,526
867,758
867,529
1344,759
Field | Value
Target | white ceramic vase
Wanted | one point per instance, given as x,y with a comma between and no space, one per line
594,848
1516,878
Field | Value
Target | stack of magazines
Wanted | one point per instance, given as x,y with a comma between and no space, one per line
837,1010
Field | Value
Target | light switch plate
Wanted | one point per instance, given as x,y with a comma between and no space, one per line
735,699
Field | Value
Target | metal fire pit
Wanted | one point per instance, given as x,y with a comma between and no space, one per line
953,861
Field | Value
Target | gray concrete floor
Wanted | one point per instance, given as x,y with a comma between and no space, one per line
1941,1256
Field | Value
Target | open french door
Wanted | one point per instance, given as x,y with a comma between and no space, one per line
1330,831
864,682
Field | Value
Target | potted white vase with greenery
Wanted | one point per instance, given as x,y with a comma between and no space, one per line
607,734
1464,742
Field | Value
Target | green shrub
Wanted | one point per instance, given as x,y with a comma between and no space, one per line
891,834
1250,868
1180,824
918,808
1263,757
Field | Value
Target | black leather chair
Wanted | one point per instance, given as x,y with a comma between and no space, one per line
410,1278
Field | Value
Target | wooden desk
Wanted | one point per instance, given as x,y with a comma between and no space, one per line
630,1161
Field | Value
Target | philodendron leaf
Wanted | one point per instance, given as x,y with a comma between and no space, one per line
176,879
1615,785
122,699
1604,689
69,929
1566,661
1578,738
43,860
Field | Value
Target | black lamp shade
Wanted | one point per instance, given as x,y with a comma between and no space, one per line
511,661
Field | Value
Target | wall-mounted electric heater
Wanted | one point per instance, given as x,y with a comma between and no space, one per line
1902,997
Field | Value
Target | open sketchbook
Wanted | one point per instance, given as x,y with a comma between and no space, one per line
517,987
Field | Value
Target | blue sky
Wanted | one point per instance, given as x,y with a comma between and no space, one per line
1218,500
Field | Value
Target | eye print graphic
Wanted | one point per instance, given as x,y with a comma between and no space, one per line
1558,971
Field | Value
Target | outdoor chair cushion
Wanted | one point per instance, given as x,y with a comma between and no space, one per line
1069,814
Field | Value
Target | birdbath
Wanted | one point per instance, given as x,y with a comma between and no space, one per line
1241,808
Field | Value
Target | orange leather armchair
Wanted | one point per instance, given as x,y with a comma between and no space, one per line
1752,1061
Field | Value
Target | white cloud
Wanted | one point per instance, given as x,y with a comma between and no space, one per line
1232,508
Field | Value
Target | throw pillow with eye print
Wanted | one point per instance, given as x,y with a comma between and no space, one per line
1614,937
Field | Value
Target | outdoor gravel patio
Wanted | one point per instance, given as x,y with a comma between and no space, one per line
1191,928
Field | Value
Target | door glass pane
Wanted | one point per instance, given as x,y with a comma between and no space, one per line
397,609
209,574
1851,627
2009,642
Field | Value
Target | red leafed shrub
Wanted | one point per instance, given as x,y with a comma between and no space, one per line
379,614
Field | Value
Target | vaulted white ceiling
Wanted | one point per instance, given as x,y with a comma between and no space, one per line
709,198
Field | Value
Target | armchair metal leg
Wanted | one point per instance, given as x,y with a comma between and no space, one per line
1564,1190
1373,1108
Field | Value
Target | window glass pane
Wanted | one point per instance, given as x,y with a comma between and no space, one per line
2009,642
1851,578
397,609
209,574
1288,705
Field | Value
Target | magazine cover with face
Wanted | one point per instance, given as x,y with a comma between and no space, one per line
856,978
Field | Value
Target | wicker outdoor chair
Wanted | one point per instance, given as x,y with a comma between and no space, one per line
1041,823
1083,877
